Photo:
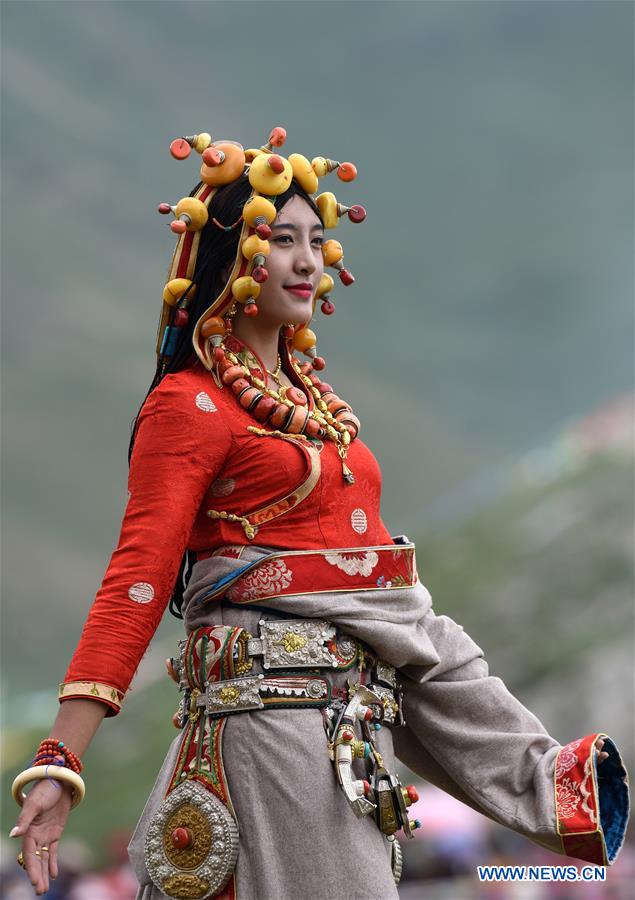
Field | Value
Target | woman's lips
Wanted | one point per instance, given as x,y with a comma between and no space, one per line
305,293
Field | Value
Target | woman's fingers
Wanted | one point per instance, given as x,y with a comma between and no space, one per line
601,755
33,864
53,870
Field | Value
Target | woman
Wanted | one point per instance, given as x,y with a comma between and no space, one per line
254,508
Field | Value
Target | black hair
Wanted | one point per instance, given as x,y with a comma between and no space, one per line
217,251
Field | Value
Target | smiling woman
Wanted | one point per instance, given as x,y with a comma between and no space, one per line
312,655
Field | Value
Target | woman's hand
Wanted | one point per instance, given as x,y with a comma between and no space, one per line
40,824
600,754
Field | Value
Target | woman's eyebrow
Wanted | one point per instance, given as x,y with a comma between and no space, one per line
295,227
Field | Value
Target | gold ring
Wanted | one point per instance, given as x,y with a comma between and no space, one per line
45,849
37,853
20,859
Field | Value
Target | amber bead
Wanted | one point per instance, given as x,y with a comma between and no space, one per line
332,252
232,373
295,395
239,385
280,415
264,409
347,277
213,325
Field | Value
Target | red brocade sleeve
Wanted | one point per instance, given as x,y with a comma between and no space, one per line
180,447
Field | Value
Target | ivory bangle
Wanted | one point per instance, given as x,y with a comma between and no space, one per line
37,773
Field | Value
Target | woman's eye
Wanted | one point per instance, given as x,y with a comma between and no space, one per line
283,238
319,241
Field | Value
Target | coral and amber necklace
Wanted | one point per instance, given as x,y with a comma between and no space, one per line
286,410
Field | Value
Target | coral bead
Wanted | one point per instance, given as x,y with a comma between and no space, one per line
260,274
276,163
356,213
178,227
278,136
412,793
212,156
181,318
297,420
295,395
264,408
319,363
169,665
164,208
239,385
346,171
327,308
263,230
180,149
347,735
251,309
366,786
347,277
323,387
232,373
213,325
313,428
280,415
176,720
332,252
248,397
181,838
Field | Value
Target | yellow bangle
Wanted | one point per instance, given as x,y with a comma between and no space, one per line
36,773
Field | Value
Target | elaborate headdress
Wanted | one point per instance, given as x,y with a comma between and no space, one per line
269,174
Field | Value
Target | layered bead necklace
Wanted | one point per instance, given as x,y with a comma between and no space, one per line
286,410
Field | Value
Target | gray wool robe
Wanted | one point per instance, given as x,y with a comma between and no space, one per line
464,733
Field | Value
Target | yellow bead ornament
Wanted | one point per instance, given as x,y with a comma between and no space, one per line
202,141
252,153
193,212
214,329
245,288
304,340
263,178
303,173
256,207
174,290
332,252
325,286
327,204
255,246
231,167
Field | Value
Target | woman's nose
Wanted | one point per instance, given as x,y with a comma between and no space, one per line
305,259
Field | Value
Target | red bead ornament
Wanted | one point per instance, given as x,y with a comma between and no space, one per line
231,373
346,277
413,793
248,397
181,838
356,213
260,274
297,420
347,171
212,156
313,429
366,788
178,227
219,356
239,385
278,136
264,409
287,332
276,163
176,720
263,231
319,363
347,736
164,209
327,307
280,415
251,309
180,149
295,395
181,318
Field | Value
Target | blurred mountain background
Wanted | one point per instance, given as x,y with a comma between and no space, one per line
487,344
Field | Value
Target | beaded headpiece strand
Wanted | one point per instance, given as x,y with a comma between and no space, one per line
270,175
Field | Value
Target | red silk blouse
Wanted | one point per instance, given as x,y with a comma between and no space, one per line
194,452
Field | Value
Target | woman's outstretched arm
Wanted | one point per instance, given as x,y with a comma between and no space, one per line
45,811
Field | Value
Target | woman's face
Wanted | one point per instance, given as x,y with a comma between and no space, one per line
295,265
